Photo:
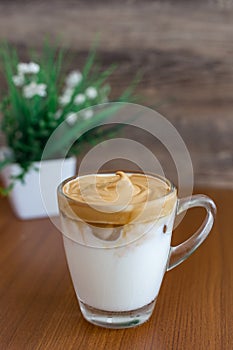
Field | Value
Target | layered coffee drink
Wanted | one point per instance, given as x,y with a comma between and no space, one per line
117,231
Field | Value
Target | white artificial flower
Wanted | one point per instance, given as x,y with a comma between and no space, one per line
22,68
18,80
87,114
28,68
91,92
74,78
33,68
66,97
79,99
64,100
71,118
68,91
34,89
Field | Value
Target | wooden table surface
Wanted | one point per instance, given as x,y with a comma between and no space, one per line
39,309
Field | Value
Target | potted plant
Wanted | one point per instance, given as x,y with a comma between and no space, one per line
39,98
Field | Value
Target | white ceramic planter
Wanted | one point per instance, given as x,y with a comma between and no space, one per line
37,197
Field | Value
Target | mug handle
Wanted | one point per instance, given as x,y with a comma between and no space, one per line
181,252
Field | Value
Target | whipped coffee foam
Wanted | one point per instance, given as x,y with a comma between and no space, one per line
113,188
118,199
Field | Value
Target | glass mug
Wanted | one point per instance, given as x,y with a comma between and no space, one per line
117,280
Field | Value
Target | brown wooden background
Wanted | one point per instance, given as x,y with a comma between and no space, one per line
184,49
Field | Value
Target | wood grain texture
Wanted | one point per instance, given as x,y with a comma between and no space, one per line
39,308
183,48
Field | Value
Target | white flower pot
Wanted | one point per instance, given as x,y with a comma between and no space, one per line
37,196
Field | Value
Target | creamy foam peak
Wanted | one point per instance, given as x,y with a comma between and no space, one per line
119,198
